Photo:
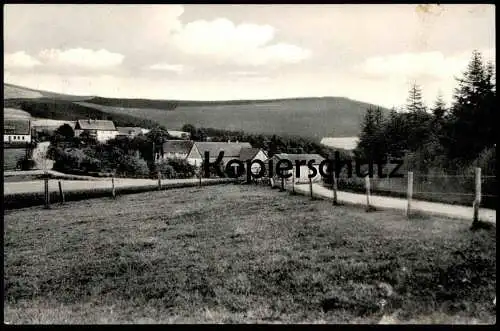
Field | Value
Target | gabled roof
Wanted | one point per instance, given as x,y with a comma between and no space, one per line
248,153
178,146
306,157
102,125
230,149
13,127
129,130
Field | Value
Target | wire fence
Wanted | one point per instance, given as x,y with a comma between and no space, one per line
451,189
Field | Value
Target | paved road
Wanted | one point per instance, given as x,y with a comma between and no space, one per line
51,172
443,209
73,185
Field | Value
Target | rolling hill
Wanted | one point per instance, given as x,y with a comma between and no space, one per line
307,117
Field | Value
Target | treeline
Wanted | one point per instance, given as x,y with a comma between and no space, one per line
439,139
272,144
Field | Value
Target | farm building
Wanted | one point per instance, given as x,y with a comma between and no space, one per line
304,169
179,134
250,154
129,131
176,149
101,130
17,131
231,151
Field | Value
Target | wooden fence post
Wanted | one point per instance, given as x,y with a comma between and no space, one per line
477,199
46,189
113,193
367,185
159,180
311,188
61,193
409,193
293,181
282,188
334,188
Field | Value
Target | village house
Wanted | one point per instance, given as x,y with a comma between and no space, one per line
251,154
17,131
304,169
231,151
179,134
101,130
194,152
176,149
129,131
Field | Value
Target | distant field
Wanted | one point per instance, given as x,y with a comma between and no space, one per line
311,117
11,91
307,117
238,253
15,113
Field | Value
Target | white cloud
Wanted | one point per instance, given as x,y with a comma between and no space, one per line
243,44
415,65
178,68
243,73
81,57
20,60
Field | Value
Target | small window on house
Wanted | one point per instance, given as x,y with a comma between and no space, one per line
23,137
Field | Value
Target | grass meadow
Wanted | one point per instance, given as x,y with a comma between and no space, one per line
242,254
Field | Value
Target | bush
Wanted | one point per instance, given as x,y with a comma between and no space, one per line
182,168
132,166
73,160
166,170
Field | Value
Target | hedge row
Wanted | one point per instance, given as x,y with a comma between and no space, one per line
23,200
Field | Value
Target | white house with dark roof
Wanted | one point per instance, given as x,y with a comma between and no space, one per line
176,149
231,151
251,154
101,130
16,131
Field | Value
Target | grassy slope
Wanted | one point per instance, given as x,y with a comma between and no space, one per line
240,254
57,109
12,91
311,117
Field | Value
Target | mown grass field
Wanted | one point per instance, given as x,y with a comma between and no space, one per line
241,254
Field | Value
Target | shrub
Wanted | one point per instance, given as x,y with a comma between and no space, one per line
132,166
182,168
166,170
74,160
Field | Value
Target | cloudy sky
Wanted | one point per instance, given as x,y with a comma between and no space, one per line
370,53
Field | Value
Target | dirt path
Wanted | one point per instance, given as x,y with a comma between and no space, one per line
442,209
77,185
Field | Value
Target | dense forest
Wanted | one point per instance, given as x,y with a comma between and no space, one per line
438,138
